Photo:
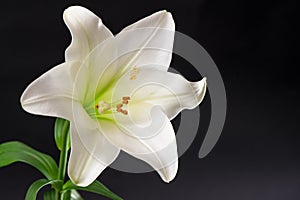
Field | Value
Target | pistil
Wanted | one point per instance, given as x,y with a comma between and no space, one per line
102,106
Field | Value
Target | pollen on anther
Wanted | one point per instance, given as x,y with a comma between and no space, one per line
125,112
134,73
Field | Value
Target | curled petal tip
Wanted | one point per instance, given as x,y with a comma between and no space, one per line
169,173
74,8
168,16
85,175
78,12
69,10
165,12
200,86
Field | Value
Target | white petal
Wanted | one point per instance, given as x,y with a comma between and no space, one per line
154,144
171,92
91,153
87,31
163,19
164,24
142,47
51,94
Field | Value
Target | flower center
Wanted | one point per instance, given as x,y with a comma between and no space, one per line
103,106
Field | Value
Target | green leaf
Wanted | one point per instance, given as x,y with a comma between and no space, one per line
36,186
95,187
61,128
11,152
51,195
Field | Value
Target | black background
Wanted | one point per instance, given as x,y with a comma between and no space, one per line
253,44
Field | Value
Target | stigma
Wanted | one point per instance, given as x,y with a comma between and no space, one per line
102,106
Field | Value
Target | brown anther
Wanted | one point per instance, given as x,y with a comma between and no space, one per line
119,105
97,106
126,98
125,112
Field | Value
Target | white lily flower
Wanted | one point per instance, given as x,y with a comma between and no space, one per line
116,93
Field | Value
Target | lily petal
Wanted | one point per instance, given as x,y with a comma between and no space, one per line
156,146
87,32
100,70
52,93
144,46
172,92
162,20
86,164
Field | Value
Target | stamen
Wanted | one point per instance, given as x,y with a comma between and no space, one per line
134,73
126,98
119,106
125,112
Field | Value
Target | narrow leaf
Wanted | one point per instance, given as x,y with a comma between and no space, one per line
61,128
95,187
36,186
50,195
11,152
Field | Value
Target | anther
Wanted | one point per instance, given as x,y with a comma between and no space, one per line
134,73
119,105
125,112
125,99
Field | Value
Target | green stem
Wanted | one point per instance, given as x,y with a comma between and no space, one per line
63,155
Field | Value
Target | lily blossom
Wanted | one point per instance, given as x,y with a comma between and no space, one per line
117,94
